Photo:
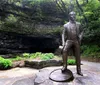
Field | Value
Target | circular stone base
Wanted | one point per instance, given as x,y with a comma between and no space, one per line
59,76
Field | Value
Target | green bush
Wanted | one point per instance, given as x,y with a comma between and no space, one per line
91,51
26,55
5,63
47,56
71,62
42,56
18,58
35,55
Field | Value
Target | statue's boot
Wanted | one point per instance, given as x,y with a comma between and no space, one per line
64,68
79,72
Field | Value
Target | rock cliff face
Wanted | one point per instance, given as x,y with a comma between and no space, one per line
18,43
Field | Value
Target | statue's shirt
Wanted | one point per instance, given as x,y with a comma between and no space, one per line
71,31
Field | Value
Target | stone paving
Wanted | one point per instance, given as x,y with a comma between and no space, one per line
8,77
28,76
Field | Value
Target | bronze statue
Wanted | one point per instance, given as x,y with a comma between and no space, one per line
71,39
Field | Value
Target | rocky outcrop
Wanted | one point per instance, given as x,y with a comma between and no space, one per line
18,43
18,64
38,64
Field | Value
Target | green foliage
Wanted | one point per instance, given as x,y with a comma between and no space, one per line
71,62
5,63
35,55
42,56
50,30
47,56
18,58
26,16
91,51
92,13
11,19
26,55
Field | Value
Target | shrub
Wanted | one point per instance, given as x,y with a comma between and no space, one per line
5,63
17,58
47,56
91,51
26,55
71,62
42,56
35,55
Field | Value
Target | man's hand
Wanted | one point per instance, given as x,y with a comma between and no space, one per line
61,47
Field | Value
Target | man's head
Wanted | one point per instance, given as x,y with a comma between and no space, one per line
72,16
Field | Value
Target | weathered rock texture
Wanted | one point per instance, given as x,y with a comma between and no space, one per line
38,64
18,43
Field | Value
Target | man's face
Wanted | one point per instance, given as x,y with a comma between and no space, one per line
72,16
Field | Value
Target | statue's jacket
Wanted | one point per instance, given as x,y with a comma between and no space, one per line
67,33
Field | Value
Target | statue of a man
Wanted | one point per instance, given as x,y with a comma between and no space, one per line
71,39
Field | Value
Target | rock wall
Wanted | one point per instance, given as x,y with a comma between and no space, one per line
18,43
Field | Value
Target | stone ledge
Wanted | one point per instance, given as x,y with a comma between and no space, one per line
38,64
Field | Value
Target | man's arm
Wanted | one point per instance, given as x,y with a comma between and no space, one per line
63,36
81,33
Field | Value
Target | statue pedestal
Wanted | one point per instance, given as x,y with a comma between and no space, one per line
59,76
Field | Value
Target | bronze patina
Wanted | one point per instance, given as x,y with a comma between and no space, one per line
71,40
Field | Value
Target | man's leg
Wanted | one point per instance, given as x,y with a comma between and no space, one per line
65,58
78,59
65,55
